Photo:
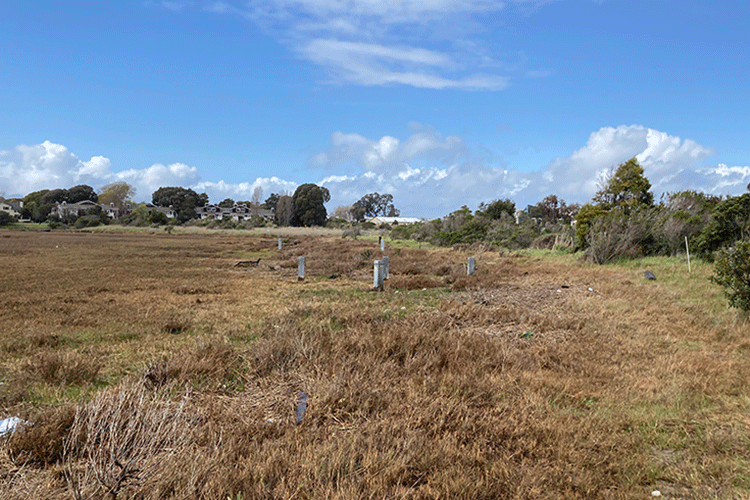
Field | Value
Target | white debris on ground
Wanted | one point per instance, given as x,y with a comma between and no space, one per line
9,425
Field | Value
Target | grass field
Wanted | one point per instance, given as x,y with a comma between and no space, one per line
147,365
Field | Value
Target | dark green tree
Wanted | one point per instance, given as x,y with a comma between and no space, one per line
82,192
730,222
309,208
626,188
496,209
373,205
271,201
184,201
227,203
732,272
38,205
6,219
684,215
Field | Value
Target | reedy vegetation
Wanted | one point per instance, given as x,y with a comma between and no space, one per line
518,382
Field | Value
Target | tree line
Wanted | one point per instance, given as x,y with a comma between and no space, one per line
622,220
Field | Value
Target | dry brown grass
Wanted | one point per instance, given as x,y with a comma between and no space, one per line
149,367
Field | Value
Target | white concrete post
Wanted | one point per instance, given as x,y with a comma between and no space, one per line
471,267
382,244
301,268
279,243
378,274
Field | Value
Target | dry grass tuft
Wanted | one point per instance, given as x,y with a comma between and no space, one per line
40,442
63,367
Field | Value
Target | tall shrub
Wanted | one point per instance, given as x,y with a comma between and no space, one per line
732,271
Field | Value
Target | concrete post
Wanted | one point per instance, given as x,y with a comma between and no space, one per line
471,267
386,265
382,244
378,273
279,243
301,268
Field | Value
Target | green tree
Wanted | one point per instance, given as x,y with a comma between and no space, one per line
271,201
684,215
82,192
373,205
553,210
625,189
496,209
309,208
730,222
118,193
6,219
585,216
227,203
184,201
38,205
732,272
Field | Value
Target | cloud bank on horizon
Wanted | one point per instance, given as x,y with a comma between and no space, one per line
428,174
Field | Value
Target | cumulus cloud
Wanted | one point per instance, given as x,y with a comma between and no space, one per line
429,175
375,42
662,156
25,169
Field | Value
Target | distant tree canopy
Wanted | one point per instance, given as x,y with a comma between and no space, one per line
184,201
38,205
626,188
373,205
309,208
117,193
82,192
226,203
730,222
552,210
496,209
271,201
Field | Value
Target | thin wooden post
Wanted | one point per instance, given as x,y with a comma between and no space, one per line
471,267
301,268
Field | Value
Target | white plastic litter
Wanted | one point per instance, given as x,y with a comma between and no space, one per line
9,425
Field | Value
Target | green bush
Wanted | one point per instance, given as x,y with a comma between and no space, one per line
6,219
732,271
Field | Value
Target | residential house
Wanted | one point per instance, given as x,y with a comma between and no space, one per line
11,208
238,212
77,209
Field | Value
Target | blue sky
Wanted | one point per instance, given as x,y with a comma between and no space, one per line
441,103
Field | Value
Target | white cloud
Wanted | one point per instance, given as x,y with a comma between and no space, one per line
428,174
389,154
388,42
220,190
447,175
661,155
